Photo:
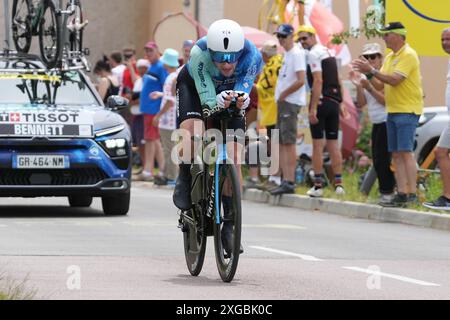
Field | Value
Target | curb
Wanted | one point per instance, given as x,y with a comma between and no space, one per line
353,210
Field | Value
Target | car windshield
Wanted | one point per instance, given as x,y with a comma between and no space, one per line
68,88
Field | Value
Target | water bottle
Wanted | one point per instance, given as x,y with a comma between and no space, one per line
299,175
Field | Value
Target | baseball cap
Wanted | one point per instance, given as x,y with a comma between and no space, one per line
395,27
285,30
270,47
308,29
188,43
371,48
151,45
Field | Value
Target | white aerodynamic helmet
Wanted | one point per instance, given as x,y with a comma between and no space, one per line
225,40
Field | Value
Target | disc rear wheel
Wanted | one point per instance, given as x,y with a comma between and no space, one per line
194,238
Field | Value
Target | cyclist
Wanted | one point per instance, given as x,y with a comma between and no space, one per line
222,67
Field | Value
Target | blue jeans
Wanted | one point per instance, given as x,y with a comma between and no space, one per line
401,131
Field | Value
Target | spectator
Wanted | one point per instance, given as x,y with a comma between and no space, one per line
130,74
187,46
267,107
166,118
401,77
290,96
374,99
137,127
152,81
324,109
443,146
108,84
117,67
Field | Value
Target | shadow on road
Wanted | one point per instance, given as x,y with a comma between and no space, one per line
48,212
200,281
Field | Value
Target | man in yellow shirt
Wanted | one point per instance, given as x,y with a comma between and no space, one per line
401,78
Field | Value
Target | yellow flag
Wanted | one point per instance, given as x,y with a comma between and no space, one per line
424,20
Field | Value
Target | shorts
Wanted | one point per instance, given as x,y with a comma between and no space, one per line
151,133
328,116
287,122
444,141
189,105
137,130
401,131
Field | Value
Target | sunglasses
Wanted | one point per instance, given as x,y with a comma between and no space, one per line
281,36
221,57
371,56
302,38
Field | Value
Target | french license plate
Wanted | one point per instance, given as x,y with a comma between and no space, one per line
41,162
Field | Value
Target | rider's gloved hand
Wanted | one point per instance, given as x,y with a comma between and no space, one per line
242,100
224,99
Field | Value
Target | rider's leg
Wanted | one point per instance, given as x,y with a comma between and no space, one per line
182,194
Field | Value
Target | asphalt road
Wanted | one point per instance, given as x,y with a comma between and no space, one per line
67,253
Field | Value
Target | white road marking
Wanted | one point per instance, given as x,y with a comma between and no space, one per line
274,226
286,253
394,276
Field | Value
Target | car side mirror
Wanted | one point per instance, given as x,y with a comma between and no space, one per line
117,103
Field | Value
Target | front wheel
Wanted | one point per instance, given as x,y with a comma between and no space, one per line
21,25
50,35
117,205
227,231
80,201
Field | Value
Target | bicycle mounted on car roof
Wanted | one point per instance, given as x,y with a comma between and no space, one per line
60,31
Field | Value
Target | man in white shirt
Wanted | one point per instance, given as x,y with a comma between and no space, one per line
443,146
290,96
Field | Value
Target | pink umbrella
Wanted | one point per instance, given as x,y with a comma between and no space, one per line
258,37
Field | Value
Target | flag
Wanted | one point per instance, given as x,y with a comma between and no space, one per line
424,21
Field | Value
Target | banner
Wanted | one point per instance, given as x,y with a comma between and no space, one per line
424,21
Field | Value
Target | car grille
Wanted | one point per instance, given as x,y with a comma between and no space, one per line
53,177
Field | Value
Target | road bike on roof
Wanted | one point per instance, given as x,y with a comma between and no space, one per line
36,18
60,30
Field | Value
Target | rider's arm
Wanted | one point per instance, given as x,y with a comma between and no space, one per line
199,65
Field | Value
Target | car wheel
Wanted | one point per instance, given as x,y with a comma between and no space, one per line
117,205
80,201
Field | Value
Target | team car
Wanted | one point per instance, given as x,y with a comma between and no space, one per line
58,139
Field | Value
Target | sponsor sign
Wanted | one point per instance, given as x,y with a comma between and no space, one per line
45,123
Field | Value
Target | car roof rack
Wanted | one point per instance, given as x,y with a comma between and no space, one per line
76,62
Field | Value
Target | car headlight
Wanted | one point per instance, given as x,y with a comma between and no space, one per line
424,118
115,147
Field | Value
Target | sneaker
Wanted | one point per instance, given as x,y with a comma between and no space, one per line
399,200
412,198
160,181
269,186
340,191
386,198
251,183
441,203
286,187
315,192
145,176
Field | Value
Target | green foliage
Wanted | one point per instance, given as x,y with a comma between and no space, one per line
371,22
364,139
